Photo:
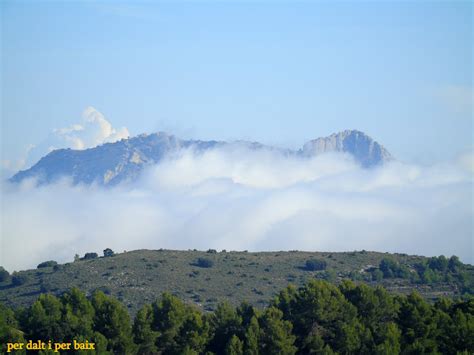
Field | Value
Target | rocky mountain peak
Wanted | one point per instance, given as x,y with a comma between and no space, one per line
364,149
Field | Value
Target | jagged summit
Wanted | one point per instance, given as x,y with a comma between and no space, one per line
364,149
112,163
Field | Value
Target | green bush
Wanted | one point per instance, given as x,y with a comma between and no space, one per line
19,279
203,262
108,252
4,275
315,265
88,256
48,263
392,269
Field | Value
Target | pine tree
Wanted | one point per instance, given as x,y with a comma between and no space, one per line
112,320
234,346
9,330
224,323
43,319
252,336
143,334
276,333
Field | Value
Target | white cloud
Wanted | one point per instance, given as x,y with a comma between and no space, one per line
92,130
242,199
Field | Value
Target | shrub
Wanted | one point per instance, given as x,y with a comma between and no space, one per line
203,262
48,263
88,256
438,263
315,265
392,269
4,275
212,251
377,275
108,252
19,279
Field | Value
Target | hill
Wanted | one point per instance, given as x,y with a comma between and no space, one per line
205,278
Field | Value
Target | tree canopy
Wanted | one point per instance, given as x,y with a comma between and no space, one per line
318,318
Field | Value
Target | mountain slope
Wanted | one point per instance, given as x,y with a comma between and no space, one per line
112,163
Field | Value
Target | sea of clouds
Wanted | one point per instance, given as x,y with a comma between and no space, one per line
240,199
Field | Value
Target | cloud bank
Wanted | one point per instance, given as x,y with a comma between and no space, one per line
238,199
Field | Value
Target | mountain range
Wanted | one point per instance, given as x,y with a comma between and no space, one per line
113,163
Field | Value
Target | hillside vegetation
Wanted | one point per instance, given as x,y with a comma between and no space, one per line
318,318
205,278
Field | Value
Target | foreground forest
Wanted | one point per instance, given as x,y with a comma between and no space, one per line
207,277
317,318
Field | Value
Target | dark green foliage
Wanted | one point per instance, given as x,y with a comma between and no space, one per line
377,275
203,262
19,279
112,320
225,322
318,312
418,323
454,264
108,252
234,346
377,312
438,263
318,318
393,269
275,333
252,336
438,270
44,319
88,256
4,275
9,329
48,263
179,328
143,334
315,265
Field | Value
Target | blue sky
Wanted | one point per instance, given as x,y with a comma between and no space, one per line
276,72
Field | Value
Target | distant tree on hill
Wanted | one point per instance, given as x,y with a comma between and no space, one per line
48,263
19,279
454,264
393,269
4,275
108,252
438,263
315,265
203,262
88,256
